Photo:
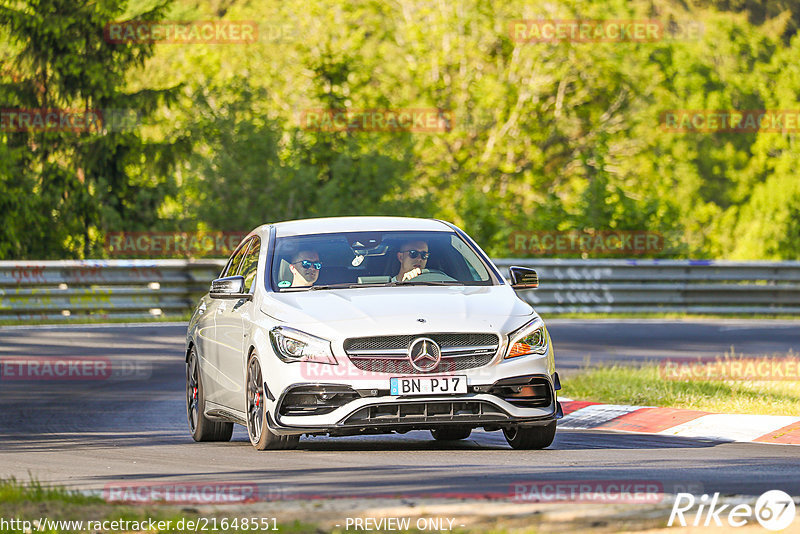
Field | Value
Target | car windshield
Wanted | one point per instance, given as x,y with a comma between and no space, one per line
368,259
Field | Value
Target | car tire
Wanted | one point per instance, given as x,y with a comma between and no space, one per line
202,428
533,437
451,433
261,436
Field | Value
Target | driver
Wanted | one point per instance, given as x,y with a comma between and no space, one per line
413,257
305,266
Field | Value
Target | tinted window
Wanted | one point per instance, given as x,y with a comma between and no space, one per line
250,264
374,258
236,260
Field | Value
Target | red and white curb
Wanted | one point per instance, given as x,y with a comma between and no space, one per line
782,429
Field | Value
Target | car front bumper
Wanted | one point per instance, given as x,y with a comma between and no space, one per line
374,411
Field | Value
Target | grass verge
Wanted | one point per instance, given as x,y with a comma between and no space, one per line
647,386
39,508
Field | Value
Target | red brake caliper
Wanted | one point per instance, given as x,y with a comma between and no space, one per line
258,398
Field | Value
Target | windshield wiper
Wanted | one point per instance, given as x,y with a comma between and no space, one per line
429,283
332,286
349,285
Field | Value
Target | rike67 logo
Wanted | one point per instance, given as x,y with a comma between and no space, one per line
774,510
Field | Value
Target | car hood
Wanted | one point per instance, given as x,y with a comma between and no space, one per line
366,311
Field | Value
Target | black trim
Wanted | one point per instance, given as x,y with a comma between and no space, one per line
278,428
270,257
246,241
349,395
401,428
290,390
540,392
224,415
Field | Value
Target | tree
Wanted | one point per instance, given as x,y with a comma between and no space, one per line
70,185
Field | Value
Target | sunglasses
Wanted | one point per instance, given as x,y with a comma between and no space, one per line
414,253
308,264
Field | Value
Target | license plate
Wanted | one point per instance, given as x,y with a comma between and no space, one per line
428,385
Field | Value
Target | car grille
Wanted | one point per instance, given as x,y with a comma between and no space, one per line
389,354
426,412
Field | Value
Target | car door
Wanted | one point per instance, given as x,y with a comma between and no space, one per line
216,381
204,333
230,333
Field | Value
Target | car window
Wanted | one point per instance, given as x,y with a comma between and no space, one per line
250,264
236,260
476,267
355,259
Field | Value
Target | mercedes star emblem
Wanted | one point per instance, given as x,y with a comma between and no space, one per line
424,354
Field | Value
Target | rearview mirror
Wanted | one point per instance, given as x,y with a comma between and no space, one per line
523,278
230,287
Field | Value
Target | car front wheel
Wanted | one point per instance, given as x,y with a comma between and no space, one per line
261,436
534,437
202,428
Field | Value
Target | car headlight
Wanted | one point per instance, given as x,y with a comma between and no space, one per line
530,339
295,346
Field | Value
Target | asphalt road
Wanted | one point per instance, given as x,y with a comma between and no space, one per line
92,434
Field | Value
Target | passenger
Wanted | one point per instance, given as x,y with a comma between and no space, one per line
305,266
413,257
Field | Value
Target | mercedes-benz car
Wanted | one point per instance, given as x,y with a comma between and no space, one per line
367,325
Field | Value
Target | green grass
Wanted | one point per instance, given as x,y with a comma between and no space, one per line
33,500
646,386
13,491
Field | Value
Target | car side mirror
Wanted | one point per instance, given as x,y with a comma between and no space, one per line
230,287
523,278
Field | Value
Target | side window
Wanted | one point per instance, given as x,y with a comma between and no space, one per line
250,264
476,267
236,260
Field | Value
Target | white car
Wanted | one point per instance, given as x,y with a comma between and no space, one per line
366,325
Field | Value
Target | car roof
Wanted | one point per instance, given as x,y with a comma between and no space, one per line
330,225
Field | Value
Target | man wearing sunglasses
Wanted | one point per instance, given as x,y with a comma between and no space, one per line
413,257
305,266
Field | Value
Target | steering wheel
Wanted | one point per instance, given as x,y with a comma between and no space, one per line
432,275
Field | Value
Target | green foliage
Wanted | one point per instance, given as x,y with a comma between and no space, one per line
69,185
561,136
13,491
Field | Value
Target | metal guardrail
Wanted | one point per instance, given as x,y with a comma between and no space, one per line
658,286
54,290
